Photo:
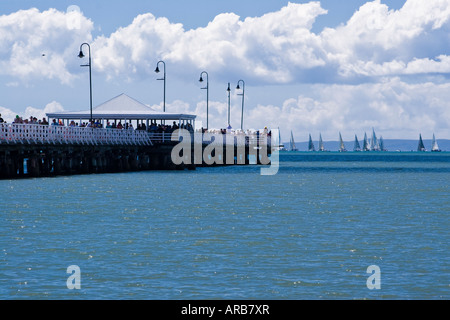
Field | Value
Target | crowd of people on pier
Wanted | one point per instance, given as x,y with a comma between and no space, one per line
31,120
264,132
152,128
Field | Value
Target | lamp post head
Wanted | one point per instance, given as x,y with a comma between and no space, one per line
237,87
157,69
80,55
201,79
228,89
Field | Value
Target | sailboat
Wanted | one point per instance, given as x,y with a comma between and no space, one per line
421,146
382,148
280,144
374,145
366,146
311,144
341,144
292,143
434,145
356,146
321,147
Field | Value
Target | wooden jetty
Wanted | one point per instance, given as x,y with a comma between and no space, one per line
30,150
63,147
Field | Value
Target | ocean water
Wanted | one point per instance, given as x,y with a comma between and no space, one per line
309,232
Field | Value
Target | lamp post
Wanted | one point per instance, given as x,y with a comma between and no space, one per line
207,94
164,79
229,90
81,55
241,94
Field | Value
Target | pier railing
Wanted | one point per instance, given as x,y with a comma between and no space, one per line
239,139
35,133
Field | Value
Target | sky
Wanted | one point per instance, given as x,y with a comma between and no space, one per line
310,67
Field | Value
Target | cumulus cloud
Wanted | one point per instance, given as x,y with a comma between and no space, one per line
377,41
9,115
258,47
41,45
41,113
396,109
278,47
136,48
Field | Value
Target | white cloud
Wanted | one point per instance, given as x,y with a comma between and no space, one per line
40,113
42,44
9,115
278,47
377,41
256,47
395,109
135,48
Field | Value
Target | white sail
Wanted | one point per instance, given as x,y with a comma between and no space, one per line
366,146
382,148
321,147
292,143
374,144
341,144
311,144
434,145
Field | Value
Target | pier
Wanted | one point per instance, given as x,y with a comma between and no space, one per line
126,135
32,150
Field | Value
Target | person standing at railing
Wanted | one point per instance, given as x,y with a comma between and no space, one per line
153,127
18,119
1,119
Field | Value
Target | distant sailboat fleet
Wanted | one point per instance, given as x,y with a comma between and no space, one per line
372,144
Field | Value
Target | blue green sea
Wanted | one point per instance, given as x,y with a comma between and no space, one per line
308,232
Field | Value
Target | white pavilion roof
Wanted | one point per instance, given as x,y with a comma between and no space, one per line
121,107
